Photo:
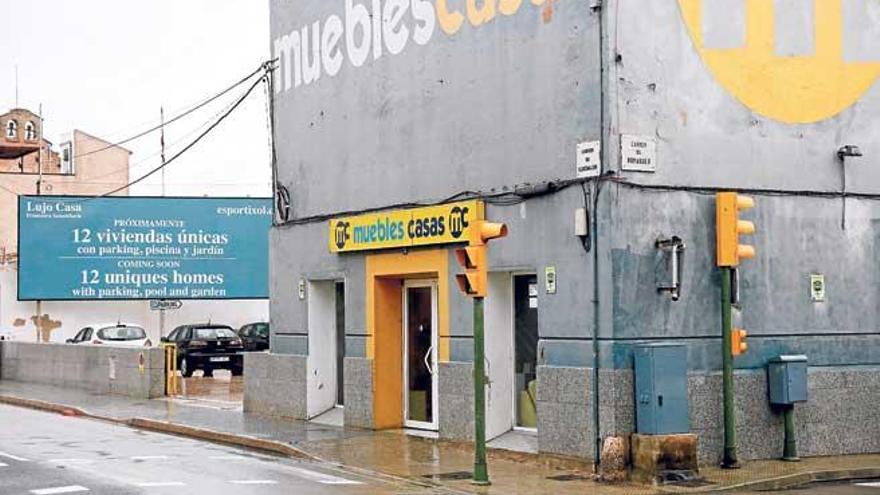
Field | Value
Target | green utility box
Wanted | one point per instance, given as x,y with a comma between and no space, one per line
787,379
661,389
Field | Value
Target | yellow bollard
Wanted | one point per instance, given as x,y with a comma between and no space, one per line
171,388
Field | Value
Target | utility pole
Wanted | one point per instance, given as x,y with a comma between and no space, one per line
481,470
162,145
39,308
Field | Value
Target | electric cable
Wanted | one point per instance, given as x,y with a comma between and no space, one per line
191,144
177,117
512,197
90,180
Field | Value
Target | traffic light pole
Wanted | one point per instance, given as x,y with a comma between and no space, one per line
481,470
729,461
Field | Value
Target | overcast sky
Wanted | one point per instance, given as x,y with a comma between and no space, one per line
106,67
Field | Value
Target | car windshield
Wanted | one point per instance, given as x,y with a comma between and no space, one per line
122,333
262,329
213,333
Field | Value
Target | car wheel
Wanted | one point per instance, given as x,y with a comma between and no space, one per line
237,371
185,368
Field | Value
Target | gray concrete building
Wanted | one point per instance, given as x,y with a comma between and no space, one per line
385,108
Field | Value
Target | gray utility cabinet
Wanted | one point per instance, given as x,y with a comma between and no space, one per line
787,377
661,389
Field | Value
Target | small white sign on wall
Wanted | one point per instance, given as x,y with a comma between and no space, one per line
638,153
588,159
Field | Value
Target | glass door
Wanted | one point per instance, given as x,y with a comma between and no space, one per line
420,354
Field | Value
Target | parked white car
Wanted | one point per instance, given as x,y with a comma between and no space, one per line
118,334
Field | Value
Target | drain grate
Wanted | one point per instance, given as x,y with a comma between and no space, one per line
684,478
454,475
570,477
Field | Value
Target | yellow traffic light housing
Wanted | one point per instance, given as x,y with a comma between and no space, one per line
474,280
728,228
738,344
486,231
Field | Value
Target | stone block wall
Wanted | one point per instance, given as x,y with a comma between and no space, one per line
456,390
275,384
565,411
840,417
96,368
358,378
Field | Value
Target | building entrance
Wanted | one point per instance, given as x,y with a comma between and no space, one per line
420,338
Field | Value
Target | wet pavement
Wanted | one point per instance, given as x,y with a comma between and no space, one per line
395,453
49,453
390,452
222,387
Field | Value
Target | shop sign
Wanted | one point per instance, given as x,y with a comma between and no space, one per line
442,224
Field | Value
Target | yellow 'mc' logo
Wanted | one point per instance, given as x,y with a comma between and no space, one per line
798,89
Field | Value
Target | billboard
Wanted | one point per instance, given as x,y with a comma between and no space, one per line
83,248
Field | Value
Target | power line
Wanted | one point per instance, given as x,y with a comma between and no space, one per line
156,153
193,143
177,117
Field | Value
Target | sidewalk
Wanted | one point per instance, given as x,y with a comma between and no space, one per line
396,455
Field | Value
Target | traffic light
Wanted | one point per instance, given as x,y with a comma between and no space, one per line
473,281
473,258
738,344
728,228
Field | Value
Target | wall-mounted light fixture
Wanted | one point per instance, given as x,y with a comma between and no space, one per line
844,152
675,247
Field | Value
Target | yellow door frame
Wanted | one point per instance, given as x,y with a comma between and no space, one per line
385,273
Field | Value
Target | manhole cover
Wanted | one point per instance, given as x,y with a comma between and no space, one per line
455,475
569,477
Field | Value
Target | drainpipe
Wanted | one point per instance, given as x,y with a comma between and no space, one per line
597,7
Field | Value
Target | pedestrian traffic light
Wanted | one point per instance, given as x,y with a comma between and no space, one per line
728,228
738,344
473,258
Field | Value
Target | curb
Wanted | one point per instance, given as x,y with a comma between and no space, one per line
215,436
788,481
52,407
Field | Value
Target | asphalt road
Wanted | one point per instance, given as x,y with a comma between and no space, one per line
46,454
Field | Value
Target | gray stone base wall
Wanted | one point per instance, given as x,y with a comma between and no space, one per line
275,384
564,411
617,409
358,392
456,398
840,417
101,369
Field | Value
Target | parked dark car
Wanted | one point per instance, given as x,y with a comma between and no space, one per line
207,347
255,336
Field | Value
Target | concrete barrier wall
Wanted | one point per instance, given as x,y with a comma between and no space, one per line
97,368
275,384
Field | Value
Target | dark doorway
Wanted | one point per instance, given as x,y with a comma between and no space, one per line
525,321
340,342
